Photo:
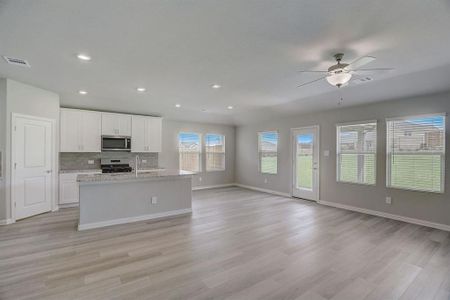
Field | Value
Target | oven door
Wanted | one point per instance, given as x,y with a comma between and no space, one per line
116,143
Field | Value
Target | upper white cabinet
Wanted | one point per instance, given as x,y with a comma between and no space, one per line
80,131
146,134
116,124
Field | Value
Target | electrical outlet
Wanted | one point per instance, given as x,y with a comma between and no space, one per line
154,200
388,200
90,162
144,161
265,180
200,179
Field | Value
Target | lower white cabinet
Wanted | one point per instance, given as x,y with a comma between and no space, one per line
68,188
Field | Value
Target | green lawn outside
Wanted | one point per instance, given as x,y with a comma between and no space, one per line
422,172
408,171
304,171
269,164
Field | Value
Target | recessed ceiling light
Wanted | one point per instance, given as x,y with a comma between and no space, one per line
177,105
216,86
82,92
141,89
84,57
230,107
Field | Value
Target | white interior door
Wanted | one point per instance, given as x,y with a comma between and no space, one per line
32,166
305,146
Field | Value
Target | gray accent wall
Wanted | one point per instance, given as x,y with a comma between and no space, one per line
430,207
168,158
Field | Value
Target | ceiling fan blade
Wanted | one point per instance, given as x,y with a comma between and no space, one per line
375,70
358,63
306,83
312,71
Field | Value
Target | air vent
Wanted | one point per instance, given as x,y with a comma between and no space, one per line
17,61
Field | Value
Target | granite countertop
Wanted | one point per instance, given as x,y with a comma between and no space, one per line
80,171
100,170
107,177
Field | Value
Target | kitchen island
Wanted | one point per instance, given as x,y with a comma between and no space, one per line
110,199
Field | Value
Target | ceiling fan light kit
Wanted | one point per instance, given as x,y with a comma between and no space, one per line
340,74
339,79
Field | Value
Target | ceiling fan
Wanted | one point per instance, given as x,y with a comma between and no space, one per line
340,74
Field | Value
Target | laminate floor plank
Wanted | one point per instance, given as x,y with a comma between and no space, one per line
237,244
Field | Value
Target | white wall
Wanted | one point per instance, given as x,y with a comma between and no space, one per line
25,99
425,206
168,157
2,148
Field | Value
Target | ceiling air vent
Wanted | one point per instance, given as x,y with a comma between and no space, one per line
17,61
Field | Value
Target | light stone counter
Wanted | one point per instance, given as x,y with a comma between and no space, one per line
80,171
141,175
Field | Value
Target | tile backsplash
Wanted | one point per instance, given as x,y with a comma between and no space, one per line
79,161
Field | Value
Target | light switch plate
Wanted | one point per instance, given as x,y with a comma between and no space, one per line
144,161
326,153
388,200
154,200
90,162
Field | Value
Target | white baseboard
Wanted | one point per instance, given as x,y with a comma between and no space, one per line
387,215
263,190
206,187
6,221
67,205
135,219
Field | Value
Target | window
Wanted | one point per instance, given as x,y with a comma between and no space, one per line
189,148
416,153
215,152
267,149
356,152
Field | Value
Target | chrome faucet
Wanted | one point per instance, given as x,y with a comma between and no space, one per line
136,163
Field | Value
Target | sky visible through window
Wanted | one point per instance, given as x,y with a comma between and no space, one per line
213,139
189,138
304,138
437,121
270,137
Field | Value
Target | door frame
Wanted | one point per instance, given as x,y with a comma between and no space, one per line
293,151
53,149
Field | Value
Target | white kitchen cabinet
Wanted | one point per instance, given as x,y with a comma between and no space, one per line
146,134
116,124
69,189
80,131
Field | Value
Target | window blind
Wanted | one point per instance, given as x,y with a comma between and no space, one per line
416,153
356,152
189,148
215,152
268,152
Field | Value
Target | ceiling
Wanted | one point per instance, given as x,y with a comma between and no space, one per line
254,48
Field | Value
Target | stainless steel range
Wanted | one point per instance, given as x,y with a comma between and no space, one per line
115,165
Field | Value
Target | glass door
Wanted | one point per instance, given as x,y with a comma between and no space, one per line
305,146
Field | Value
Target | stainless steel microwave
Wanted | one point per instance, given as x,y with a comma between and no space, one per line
116,143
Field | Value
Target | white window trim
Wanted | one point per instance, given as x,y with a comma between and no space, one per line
259,148
443,155
338,170
200,159
224,153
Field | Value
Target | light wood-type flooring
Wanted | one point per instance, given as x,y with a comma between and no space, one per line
238,244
